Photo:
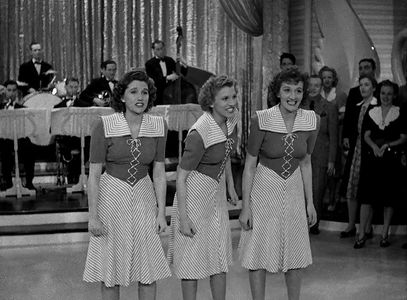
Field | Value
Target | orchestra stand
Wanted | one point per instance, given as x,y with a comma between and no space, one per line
13,125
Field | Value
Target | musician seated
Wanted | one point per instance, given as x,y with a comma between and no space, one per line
70,146
100,90
161,69
25,147
35,74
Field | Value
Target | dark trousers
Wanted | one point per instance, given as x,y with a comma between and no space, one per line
26,155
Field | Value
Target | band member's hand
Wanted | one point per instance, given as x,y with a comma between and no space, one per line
187,228
95,227
246,219
31,90
311,215
346,143
99,102
172,77
50,72
161,223
331,169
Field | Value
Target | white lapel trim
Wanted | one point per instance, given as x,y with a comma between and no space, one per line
376,114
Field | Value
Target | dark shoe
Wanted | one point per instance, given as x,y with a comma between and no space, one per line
314,230
384,243
369,235
346,234
360,243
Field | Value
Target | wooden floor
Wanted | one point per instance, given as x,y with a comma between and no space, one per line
338,272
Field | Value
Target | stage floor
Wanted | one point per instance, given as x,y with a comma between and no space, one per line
339,272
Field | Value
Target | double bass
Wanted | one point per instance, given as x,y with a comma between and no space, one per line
180,91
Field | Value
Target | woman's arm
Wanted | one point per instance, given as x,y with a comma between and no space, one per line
376,150
306,172
401,140
187,228
245,217
160,187
95,226
230,183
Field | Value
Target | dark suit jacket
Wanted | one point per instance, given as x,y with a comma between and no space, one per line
28,74
96,87
154,71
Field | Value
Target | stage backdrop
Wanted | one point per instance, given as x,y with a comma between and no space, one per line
76,35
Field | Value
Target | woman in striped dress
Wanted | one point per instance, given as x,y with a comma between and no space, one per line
127,209
277,188
200,242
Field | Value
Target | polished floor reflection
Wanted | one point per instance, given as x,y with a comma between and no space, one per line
339,272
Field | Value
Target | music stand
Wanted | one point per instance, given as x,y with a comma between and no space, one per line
77,121
16,124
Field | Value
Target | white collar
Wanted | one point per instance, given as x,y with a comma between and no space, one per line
115,125
272,120
210,131
372,102
330,96
377,116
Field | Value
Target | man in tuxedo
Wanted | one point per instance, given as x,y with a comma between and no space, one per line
36,73
72,93
100,90
26,148
161,69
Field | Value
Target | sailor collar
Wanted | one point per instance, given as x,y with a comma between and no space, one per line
210,131
376,114
115,125
272,120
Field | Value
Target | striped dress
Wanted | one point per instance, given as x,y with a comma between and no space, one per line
279,240
209,251
131,249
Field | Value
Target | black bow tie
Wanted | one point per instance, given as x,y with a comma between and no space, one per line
160,59
37,63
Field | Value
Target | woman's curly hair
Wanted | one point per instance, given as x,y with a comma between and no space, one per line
292,75
117,104
211,87
334,74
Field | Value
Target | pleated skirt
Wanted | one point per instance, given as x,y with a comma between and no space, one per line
209,251
131,250
279,240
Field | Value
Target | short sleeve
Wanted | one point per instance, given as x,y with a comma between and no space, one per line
256,137
98,143
160,151
313,136
193,152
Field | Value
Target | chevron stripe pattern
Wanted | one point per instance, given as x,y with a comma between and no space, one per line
210,131
115,125
131,250
209,252
279,240
288,141
272,120
228,148
135,152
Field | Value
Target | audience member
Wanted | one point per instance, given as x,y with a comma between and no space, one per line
324,155
287,61
36,73
25,147
381,171
352,135
100,90
338,98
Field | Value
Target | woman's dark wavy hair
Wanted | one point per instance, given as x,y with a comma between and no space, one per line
334,74
292,75
211,87
118,92
371,79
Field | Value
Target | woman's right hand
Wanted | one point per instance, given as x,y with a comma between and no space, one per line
187,228
95,227
246,219
376,151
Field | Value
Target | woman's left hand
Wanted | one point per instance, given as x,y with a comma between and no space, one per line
233,197
161,223
311,215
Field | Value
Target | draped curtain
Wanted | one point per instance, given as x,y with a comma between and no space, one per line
77,35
